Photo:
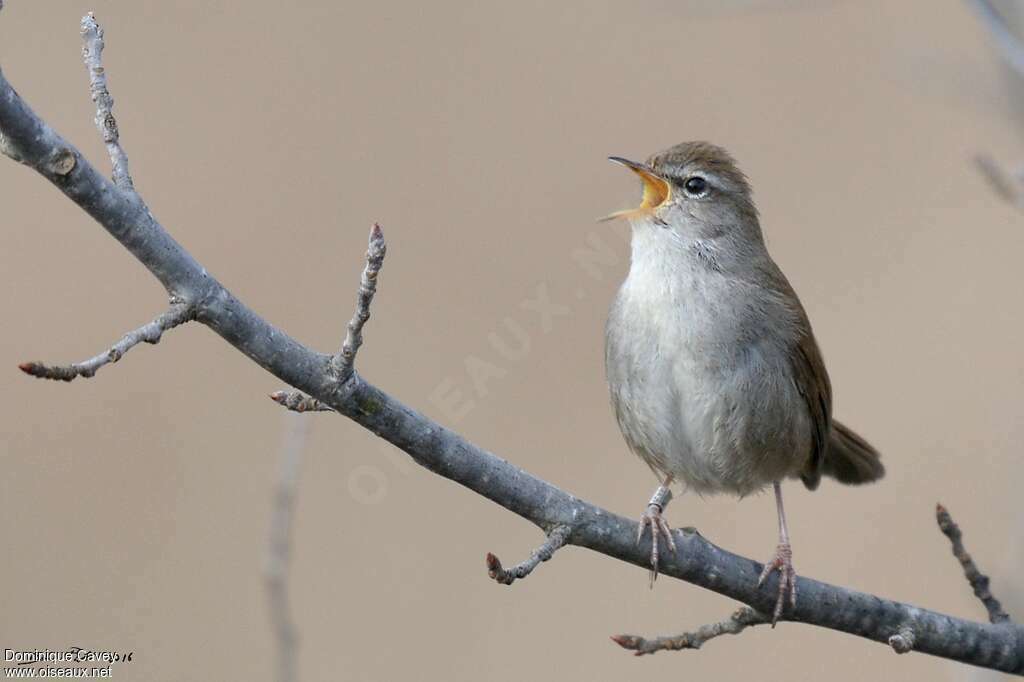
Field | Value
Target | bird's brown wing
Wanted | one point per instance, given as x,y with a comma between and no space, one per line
835,450
808,372
812,381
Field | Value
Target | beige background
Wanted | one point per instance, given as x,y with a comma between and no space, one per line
135,505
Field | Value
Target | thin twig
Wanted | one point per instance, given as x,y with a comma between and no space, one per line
555,540
279,549
148,333
297,401
344,361
92,54
739,621
977,580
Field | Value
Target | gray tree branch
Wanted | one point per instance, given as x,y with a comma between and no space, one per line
26,138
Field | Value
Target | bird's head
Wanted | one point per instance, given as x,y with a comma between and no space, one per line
693,190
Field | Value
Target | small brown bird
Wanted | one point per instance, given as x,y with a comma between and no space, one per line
715,377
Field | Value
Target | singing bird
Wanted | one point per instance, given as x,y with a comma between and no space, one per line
716,380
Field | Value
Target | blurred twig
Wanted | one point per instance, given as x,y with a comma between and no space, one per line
1007,186
1007,42
279,549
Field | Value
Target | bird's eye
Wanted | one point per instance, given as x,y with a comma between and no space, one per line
695,186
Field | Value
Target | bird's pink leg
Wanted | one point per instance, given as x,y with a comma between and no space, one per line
781,562
652,517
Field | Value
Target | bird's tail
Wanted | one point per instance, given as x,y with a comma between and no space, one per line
850,459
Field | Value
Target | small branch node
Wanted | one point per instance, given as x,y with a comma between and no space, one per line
8,149
62,162
344,362
297,401
147,333
903,641
978,581
92,55
556,539
739,621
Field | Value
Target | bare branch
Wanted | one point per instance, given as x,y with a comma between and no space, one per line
696,560
344,361
297,401
148,333
280,548
556,539
977,580
739,621
92,54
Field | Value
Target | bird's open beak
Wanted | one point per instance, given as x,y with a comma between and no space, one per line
656,190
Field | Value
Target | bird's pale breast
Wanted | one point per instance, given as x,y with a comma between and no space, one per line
702,388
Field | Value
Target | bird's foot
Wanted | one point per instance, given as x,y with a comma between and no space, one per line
783,563
652,518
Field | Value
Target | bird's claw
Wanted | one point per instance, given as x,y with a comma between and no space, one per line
783,563
653,519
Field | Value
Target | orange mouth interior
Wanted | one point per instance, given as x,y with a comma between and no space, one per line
656,193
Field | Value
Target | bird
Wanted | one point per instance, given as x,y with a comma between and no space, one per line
716,380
